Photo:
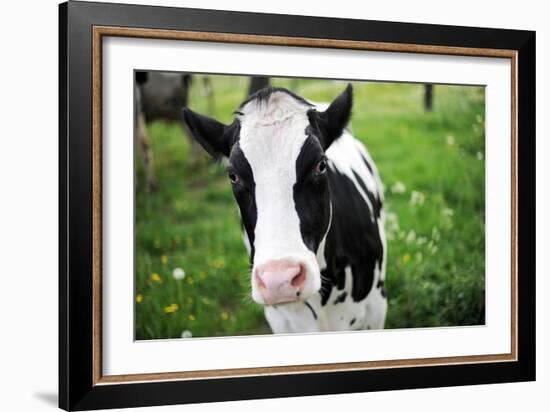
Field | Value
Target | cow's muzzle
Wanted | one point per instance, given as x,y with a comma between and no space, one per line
280,281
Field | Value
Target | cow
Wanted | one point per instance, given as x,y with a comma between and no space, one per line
160,96
311,206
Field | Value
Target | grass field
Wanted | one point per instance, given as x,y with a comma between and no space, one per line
432,166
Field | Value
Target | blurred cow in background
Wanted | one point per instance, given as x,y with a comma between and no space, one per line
160,96
163,94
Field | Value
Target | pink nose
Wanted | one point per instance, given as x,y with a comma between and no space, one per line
280,281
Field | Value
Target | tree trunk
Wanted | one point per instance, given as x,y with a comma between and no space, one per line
428,97
257,83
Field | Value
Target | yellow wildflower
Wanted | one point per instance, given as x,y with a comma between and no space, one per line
171,308
224,315
406,258
190,280
192,317
139,298
164,259
218,263
155,277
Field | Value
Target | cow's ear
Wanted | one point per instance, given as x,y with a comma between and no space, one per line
331,123
215,137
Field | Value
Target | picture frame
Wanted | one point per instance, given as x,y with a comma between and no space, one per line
82,29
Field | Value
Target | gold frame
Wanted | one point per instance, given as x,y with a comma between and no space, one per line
101,31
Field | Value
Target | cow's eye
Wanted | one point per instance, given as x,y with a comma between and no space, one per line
233,177
321,167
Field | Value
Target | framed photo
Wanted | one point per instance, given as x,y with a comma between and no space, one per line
257,205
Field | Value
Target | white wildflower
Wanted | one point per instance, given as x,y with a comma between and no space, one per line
392,223
411,236
178,274
479,156
417,198
391,217
432,248
398,188
436,235
186,334
450,140
447,217
421,241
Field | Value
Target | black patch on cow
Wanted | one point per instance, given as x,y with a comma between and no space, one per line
367,163
311,309
380,285
371,170
311,194
245,192
363,278
335,276
340,298
263,95
374,201
340,264
352,322
353,238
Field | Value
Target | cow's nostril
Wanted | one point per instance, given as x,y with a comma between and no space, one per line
259,281
300,278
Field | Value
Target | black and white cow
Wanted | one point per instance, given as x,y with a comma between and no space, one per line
310,199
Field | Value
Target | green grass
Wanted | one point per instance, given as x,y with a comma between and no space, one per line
432,165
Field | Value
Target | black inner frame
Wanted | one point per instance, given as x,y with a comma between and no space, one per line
76,388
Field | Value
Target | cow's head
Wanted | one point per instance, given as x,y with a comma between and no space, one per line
275,151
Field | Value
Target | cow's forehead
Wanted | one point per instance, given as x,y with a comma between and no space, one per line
273,130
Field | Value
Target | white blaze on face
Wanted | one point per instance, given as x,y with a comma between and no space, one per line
271,137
